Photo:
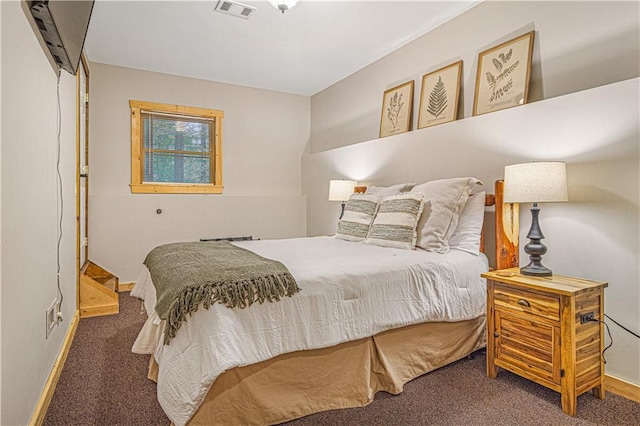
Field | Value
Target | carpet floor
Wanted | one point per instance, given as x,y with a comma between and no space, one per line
104,383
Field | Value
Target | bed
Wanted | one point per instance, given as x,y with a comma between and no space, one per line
368,319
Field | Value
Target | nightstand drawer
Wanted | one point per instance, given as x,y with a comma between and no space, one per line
527,302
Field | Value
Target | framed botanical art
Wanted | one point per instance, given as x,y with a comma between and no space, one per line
503,75
397,108
439,96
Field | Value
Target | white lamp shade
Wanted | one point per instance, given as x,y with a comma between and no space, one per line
538,182
341,190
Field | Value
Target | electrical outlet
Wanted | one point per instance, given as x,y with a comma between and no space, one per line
51,317
589,316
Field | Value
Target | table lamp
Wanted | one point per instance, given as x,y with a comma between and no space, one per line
341,190
538,182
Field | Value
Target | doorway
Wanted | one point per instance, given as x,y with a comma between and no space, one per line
82,169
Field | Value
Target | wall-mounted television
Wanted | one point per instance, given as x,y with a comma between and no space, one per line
63,25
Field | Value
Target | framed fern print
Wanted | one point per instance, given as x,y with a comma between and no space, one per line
397,108
503,75
439,96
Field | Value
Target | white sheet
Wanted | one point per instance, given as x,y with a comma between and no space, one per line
349,291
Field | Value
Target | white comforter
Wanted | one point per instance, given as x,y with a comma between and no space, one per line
349,291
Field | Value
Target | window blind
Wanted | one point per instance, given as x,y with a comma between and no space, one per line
176,148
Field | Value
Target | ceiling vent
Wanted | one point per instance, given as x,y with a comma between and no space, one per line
235,9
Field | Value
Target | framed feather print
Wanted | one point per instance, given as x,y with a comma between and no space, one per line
439,96
397,108
503,75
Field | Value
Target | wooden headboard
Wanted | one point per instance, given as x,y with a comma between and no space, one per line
507,230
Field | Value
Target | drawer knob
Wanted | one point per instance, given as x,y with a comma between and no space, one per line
495,334
523,302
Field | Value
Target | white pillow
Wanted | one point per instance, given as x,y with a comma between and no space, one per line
467,235
385,191
444,199
358,216
396,221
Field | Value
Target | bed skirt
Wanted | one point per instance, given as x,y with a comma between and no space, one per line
348,375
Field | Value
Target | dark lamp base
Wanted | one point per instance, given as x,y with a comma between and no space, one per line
535,249
536,270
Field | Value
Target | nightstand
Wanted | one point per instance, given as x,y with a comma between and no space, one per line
536,329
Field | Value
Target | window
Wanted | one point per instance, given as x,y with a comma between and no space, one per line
175,149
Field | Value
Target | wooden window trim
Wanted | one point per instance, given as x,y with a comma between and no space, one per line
139,187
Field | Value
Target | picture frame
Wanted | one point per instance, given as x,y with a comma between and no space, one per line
503,75
439,96
397,110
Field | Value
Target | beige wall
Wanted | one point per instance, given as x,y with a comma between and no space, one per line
28,213
578,46
265,135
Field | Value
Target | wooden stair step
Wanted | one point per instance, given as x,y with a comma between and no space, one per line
98,291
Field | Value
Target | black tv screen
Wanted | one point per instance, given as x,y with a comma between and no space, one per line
63,25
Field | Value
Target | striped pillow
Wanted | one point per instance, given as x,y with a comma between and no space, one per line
358,215
396,221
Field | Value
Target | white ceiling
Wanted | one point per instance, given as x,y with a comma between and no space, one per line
302,51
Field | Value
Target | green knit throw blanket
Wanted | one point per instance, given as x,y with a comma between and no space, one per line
187,275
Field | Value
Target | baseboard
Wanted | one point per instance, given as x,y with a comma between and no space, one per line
124,287
47,393
622,388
